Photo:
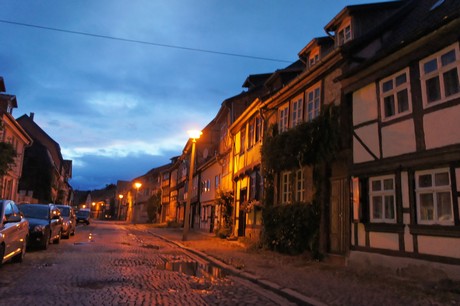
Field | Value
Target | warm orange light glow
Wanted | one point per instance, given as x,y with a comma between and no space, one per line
84,206
195,134
137,185
120,196
94,203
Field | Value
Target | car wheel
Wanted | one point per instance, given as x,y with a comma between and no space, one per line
20,256
58,239
46,240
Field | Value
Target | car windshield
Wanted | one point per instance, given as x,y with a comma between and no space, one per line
65,211
83,213
35,211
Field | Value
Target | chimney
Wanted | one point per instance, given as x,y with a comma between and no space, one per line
32,116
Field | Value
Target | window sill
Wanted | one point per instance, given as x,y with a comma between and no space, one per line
435,230
384,227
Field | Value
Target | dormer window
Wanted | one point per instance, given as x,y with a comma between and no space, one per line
313,58
344,34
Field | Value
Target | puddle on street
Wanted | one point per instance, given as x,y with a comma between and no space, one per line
193,268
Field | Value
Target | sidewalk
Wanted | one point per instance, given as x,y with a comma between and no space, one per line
308,282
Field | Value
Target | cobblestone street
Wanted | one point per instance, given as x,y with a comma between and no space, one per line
108,264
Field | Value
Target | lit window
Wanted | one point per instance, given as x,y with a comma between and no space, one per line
296,111
251,134
395,95
313,96
434,199
283,119
382,199
439,75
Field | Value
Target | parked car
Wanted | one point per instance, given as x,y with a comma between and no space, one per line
69,221
83,216
14,232
45,223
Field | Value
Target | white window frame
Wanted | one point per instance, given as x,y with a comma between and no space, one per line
393,92
313,102
300,185
383,194
313,58
435,191
283,118
286,192
297,111
344,34
439,73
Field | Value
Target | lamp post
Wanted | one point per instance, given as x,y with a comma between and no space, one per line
136,185
120,197
194,135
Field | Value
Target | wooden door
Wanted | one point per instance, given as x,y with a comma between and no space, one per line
339,217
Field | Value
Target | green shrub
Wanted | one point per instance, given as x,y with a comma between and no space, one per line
291,229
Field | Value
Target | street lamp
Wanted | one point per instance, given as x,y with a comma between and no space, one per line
194,135
136,185
120,197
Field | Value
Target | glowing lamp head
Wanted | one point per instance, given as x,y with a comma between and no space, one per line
195,134
137,185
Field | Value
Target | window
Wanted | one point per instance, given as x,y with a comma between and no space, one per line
439,75
395,94
344,35
251,134
382,199
313,102
434,199
283,119
217,182
297,110
285,187
313,58
254,191
300,186
258,131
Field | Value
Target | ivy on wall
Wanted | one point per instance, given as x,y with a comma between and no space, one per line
315,144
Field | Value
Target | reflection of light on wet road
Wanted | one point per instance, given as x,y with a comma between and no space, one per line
90,237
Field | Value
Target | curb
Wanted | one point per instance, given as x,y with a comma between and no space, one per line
287,293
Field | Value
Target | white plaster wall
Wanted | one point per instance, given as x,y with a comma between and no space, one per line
408,238
442,246
442,127
384,241
369,136
365,104
398,138
361,235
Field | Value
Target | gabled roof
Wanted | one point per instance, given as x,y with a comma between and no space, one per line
411,22
351,10
255,80
40,136
8,99
283,76
326,41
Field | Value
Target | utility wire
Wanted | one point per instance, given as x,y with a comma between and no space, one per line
143,42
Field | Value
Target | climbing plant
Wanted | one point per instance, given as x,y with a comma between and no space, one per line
314,143
224,200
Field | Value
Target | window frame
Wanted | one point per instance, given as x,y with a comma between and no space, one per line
434,190
439,73
286,188
383,194
341,40
300,185
296,110
394,91
312,114
283,118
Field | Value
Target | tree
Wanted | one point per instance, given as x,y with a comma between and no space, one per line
7,156
154,206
